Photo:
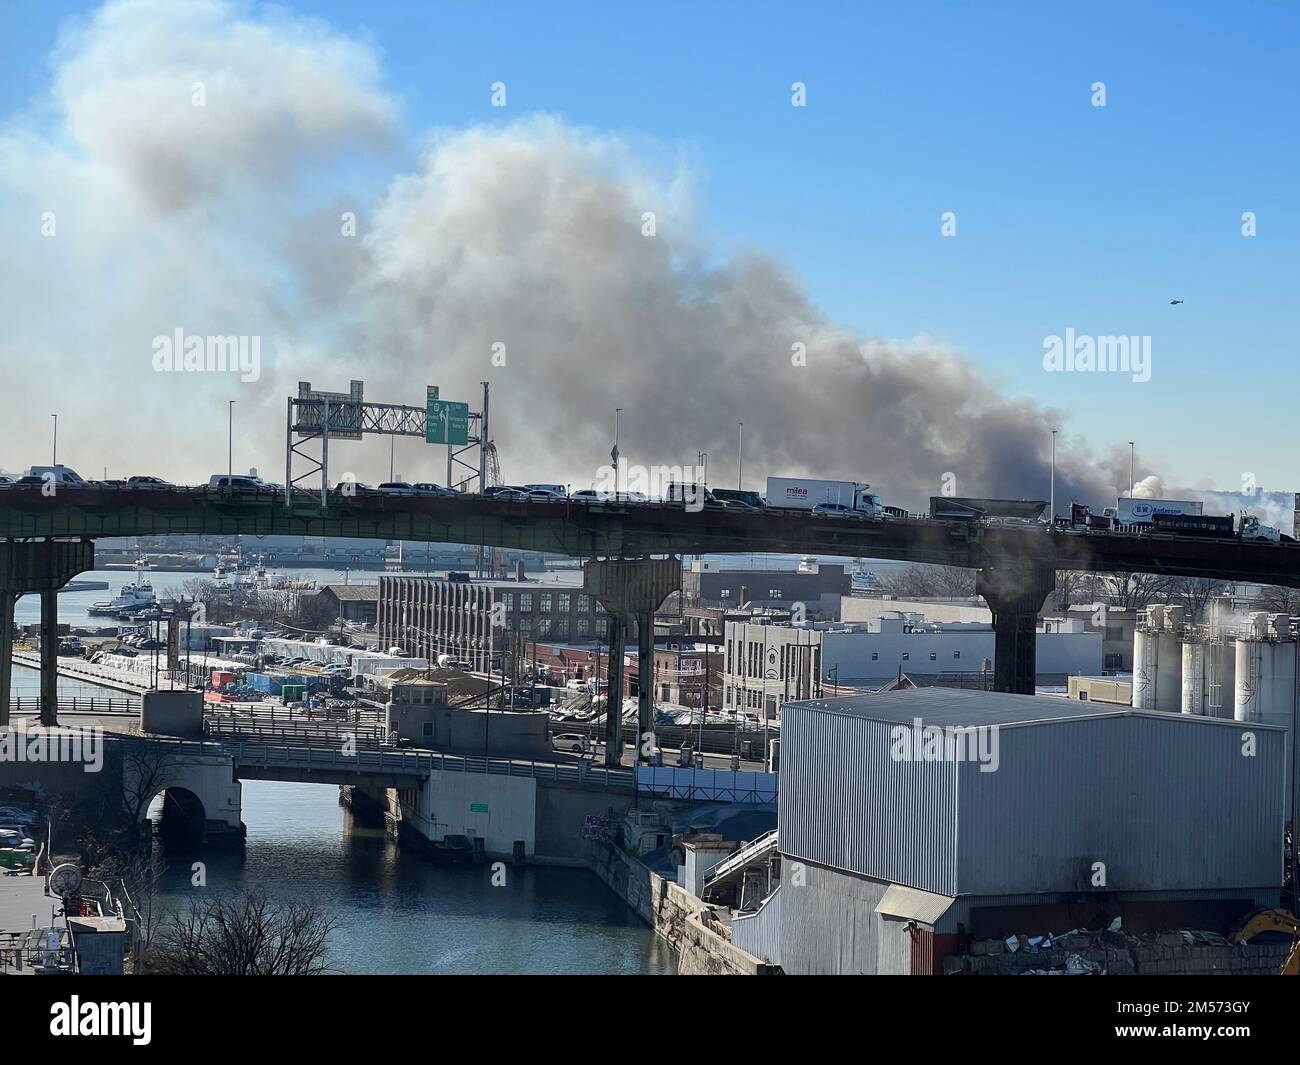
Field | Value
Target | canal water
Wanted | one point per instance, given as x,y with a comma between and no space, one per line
400,913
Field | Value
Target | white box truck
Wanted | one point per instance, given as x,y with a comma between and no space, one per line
1132,511
804,493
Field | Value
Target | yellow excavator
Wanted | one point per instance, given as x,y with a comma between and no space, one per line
1273,921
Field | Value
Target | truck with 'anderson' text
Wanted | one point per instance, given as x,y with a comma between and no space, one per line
1133,511
804,493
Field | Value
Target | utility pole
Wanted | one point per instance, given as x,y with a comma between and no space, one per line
1132,453
614,453
230,439
54,458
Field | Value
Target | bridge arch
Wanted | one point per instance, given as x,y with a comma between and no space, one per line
178,815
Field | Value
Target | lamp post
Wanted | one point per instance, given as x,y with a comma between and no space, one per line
230,439
1132,454
54,458
740,455
614,453
1052,516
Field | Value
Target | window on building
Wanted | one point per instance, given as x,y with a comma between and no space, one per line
566,600
545,606
562,628
602,627
875,656
526,626
725,593
525,602
508,601
543,626
665,692
934,657
427,728
584,626
584,604
907,655
956,654
774,593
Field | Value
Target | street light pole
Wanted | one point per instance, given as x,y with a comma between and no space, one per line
230,439
740,455
1053,491
614,454
54,458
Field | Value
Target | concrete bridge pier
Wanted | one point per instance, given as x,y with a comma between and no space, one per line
37,566
1015,594
628,589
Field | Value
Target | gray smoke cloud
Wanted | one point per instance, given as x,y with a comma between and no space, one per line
228,218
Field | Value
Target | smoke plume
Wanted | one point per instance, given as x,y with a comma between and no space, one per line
516,253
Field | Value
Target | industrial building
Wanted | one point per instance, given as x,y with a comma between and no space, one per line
767,665
913,823
1116,624
817,588
1241,668
432,616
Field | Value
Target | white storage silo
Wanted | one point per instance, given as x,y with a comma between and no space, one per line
1146,648
1220,674
1169,661
1194,657
1266,673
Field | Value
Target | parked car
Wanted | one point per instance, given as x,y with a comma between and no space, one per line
545,495
578,685
348,488
571,741
424,488
142,481
396,488
7,479
510,495
554,489
837,510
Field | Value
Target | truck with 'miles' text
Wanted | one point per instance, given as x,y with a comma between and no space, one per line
804,493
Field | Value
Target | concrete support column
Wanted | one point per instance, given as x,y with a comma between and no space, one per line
7,601
49,656
38,566
645,622
1015,594
614,691
633,588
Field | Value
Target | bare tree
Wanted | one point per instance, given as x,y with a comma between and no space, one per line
1195,593
135,879
245,934
926,582
1275,599
1136,591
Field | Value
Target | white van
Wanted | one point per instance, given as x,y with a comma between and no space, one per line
558,489
61,475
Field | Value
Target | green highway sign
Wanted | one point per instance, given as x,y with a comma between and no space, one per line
446,422
478,807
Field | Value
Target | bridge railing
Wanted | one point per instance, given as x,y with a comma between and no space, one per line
24,704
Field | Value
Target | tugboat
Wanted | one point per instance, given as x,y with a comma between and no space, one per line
452,850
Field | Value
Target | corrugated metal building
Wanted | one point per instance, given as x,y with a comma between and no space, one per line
912,819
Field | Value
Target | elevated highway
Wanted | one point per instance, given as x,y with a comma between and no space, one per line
629,530
46,539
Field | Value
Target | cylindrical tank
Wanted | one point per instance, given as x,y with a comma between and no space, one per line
1145,648
1220,671
1265,681
1193,675
1169,670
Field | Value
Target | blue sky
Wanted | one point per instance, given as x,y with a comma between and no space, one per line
1068,215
